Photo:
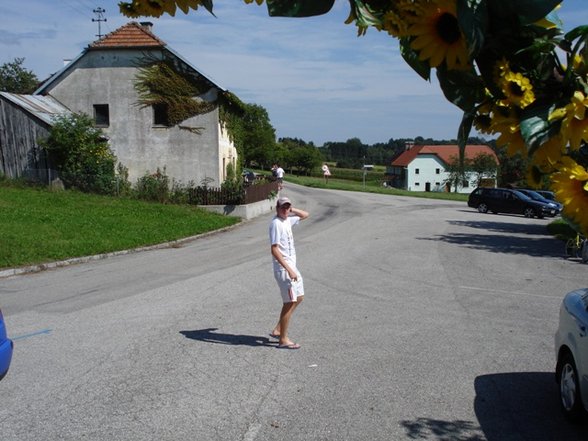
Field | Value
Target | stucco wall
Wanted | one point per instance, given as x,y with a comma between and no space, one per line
428,166
107,77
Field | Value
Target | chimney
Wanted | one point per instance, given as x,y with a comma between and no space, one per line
147,25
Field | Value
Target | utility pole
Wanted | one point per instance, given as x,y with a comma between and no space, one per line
100,13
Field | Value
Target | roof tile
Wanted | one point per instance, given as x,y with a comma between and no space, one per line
132,34
444,152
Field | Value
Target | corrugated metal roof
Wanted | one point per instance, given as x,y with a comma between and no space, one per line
43,107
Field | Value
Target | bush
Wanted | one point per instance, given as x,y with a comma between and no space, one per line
81,154
154,187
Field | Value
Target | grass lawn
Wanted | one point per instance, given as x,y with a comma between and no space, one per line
372,187
39,226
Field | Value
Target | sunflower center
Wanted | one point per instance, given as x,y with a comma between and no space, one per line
515,89
448,28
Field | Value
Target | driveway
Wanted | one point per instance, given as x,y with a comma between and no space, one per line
423,319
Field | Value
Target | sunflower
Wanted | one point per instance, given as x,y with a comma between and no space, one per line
548,155
437,36
574,125
570,185
506,122
516,88
400,17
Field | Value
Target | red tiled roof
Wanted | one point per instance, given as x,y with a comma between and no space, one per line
132,34
444,152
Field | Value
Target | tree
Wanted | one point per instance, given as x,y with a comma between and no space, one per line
482,166
15,78
81,154
458,174
255,137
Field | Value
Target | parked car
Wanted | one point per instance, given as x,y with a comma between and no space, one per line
6,346
571,351
506,200
536,196
547,194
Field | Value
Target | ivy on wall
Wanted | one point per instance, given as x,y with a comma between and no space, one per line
171,83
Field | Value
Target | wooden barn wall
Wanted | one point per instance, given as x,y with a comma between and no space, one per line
20,153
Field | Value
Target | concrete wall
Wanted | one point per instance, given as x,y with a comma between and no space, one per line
108,77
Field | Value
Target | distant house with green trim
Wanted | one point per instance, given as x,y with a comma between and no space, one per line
155,108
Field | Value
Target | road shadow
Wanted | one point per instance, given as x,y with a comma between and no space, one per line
528,239
209,335
509,407
523,406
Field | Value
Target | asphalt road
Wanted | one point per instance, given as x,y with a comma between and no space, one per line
423,319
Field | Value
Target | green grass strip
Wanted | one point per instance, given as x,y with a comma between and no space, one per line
39,226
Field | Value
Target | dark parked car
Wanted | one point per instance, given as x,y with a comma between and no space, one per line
547,194
6,346
506,200
536,196
571,352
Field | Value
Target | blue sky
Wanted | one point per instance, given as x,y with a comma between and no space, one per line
316,78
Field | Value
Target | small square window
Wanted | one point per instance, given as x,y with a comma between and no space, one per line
437,170
416,184
160,115
101,115
416,171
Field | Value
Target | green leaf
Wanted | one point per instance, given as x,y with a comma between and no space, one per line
463,88
472,16
577,32
502,12
365,15
412,59
207,5
535,127
298,8
465,127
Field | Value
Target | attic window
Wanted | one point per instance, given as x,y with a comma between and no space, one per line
101,115
160,115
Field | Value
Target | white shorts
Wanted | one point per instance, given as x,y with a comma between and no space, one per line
289,289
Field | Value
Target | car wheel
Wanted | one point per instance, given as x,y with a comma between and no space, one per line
483,208
569,389
529,212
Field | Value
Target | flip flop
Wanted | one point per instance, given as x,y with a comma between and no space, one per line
289,346
277,336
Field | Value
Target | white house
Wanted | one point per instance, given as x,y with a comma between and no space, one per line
424,167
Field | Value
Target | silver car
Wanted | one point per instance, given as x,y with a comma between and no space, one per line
571,350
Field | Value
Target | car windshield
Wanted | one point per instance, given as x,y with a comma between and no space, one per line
522,195
534,195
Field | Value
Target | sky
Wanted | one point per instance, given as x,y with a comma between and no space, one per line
317,79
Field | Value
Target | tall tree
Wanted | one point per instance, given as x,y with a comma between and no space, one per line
15,78
258,136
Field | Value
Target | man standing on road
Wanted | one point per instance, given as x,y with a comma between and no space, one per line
280,176
284,264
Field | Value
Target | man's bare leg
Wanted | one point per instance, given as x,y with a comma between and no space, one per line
281,328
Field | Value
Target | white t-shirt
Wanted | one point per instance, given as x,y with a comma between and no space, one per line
279,172
280,233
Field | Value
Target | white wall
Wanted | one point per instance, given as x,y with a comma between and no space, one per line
431,170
